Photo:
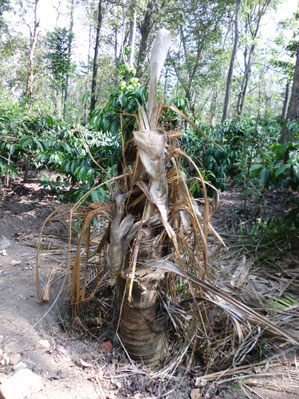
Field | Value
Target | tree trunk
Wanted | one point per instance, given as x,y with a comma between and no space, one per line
191,67
145,29
285,102
85,105
33,40
115,31
245,80
213,106
232,62
293,108
132,35
69,56
248,53
58,11
95,59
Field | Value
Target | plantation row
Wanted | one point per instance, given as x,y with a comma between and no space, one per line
252,155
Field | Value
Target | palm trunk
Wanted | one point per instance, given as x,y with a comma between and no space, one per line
141,330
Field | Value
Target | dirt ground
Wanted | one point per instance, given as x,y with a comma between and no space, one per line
72,366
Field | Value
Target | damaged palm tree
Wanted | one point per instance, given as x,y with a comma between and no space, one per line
147,199
154,247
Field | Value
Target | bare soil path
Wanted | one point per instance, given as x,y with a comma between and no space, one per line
29,333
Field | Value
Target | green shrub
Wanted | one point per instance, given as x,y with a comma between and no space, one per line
279,166
56,146
251,154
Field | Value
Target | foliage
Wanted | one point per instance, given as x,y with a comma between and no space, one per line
56,146
251,158
59,42
60,147
4,6
199,25
196,68
279,166
126,98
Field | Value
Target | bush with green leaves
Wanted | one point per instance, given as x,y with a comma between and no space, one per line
251,153
59,44
15,124
57,146
61,147
248,148
125,99
279,167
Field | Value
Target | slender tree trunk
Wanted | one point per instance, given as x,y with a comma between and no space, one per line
89,46
262,8
145,29
190,97
55,103
58,10
232,62
95,59
86,84
132,36
33,40
69,56
116,60
293,108
115,45
285,102
213,106
268,104
124,38
165,82
191,68
245,80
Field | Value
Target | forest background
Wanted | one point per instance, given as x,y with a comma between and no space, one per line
69,69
